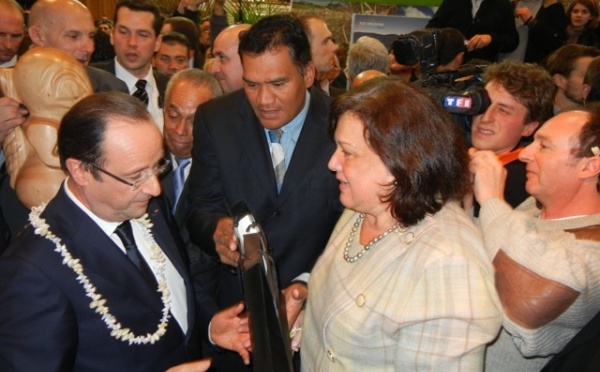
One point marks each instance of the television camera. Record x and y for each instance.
(460, 91)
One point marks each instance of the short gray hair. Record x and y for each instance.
(367, 53)
(198, 78)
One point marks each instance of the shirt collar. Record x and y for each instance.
(10, 63)
(130, 79)
(295, 125)
(106, 226)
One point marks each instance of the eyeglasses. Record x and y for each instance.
(157, 171)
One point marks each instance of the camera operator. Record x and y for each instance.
(439, 54)
(521, 99)
(452, 50)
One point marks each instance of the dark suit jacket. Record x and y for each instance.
(582, 353)
(204, 269)
(232, 163)
(547, 32)
(103, 81)
(46, 323)
(494, 17)
(161, 80)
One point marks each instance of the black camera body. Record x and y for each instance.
(420, 46)
(461, 92)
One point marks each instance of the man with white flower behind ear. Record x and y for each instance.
(98, 282)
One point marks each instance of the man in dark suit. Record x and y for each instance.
(12, 29)
(97, 282)
(322, 52)
(66, 25)
(266, 145)
(489, 29)
(186, 90)
(136, 39)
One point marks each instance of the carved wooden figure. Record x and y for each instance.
(48, 82)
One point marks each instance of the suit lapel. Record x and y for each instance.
(167, 183)
(310, 145)
(252, 136)
(98, 253)
(167, 237)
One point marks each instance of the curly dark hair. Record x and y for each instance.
(416, 140)
(531, 85)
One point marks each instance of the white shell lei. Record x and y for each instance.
(98, 302)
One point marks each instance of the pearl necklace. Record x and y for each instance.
(367, 247)
(98, 302)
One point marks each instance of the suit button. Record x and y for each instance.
(360, 300)
(331, 356)
(277, 212)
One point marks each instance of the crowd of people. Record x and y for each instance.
(403, 238)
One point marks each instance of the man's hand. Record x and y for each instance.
(229, 329)
(226, 242)
(196, 366)
(489, 176)
(523, 13)
(12, 114)
(478, 42)
(295, 296)
(192, 5)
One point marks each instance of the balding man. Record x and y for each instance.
(227, 66)
(366, 75)
(546, 252)
(12, 28)
(68, 25)
(366, 53)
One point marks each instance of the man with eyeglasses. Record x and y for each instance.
(97, 282)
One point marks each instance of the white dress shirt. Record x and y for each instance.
(153, 94)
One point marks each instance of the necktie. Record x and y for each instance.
(141, 93)
(125, 233)
(277, 156)
(179, 180)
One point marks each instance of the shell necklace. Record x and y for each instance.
(98, 302)
(366, 248)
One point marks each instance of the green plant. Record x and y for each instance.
(244, 11)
